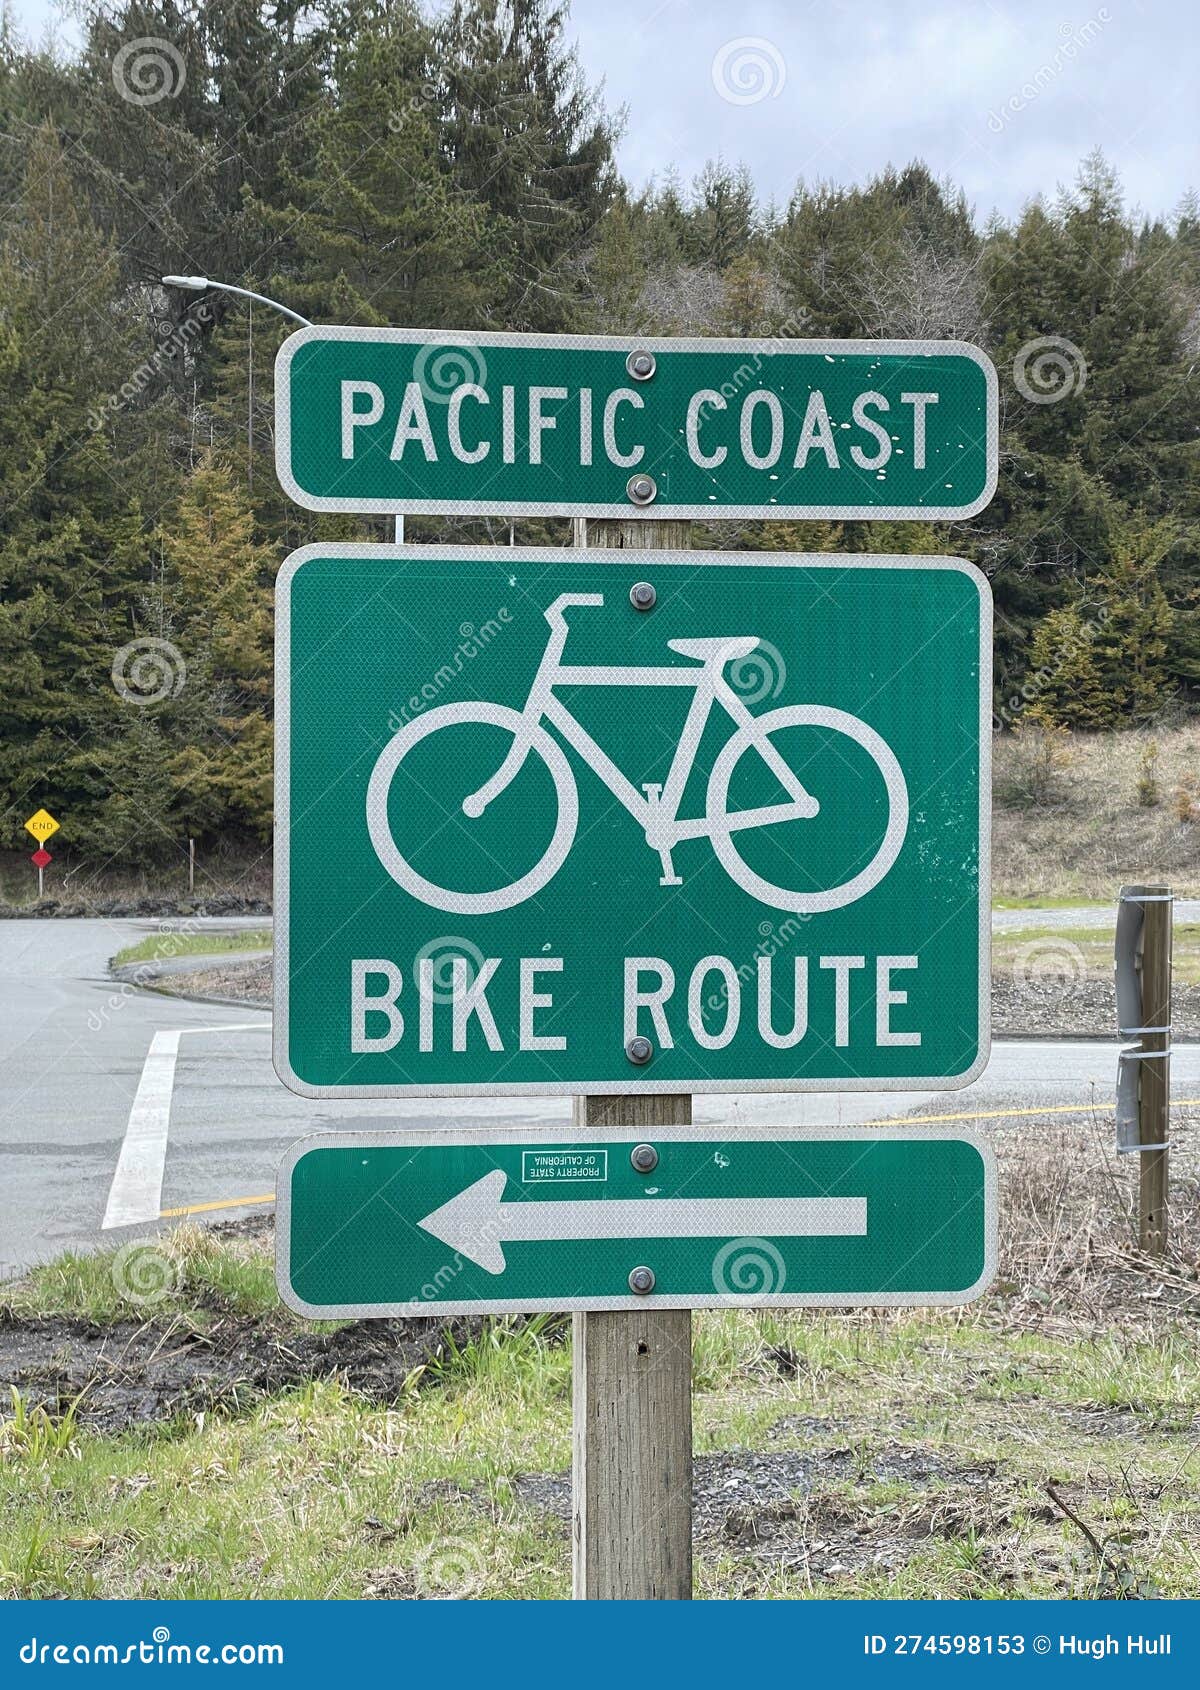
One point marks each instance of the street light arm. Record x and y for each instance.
(197, 284)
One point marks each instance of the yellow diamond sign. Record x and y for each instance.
(42, 824)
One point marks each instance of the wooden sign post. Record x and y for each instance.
(632, 1372)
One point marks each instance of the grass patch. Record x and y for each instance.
(178, 1273)
(1091, 948)
(1064, 902)
(914, 1453)
(161, 947)
(1077, 824)
(321, 1493)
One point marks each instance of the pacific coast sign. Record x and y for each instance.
(398, 420)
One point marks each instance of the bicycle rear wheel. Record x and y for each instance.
(723, 835)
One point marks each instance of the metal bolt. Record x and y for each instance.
(642, 596)
(642, 489)
(644, 1158)
(641, 1281)
(641, 365)
(639, 1050)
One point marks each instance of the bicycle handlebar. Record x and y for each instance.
(554, 612)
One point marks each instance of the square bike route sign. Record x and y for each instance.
(379, 419)
(492, 1221)
(554, 822)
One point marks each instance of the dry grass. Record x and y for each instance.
(1068, 1227)
(1071, 817)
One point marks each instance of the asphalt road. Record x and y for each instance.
(124, 1107)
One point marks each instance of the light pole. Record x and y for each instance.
(199, 284)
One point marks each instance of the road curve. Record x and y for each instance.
(125, 1104)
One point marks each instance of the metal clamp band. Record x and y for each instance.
(1133, 1149)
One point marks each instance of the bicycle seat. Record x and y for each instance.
(739, 645)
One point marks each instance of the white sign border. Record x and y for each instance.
(634, 1083)
(624, 1137)
(662, 510)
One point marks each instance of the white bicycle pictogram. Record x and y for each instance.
(657, 812)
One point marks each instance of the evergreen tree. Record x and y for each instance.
(72, 547)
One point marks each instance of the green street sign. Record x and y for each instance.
(534, 838)
(427, 420)
(459, 1222)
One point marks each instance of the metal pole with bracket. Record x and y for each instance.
(632, 1371)
(1143, 978)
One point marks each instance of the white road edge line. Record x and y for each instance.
(135, 1195)
(136, 1192)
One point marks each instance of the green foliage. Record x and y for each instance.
(385, 161)
(1149, 795)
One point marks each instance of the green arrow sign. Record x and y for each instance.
(455, 1222)
(533, 838)
(422, 420)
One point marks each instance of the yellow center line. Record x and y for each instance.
(886, 1121)
(222, 1203)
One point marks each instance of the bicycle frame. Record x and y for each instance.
(658, 812)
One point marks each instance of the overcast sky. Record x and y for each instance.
(1004, 96)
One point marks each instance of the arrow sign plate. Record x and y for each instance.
(460, 1221)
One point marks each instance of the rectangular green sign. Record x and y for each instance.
(450, 1222)
(532, 838)
(478, 423)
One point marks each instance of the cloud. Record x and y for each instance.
(861, 90)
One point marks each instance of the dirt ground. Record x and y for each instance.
(1068, 1263)
(1042, 1441)
(134, 1373)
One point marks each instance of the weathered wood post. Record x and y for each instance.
(632, 1369)
(1154, 1090)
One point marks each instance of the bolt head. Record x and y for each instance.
(641, 1281)
(639, 1050)
(642, 596)
(641, 489)
(644, 1158)
(641, 365)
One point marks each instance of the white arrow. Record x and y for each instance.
(477, 1224)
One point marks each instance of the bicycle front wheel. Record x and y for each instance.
(379, 825)
(723, 833)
